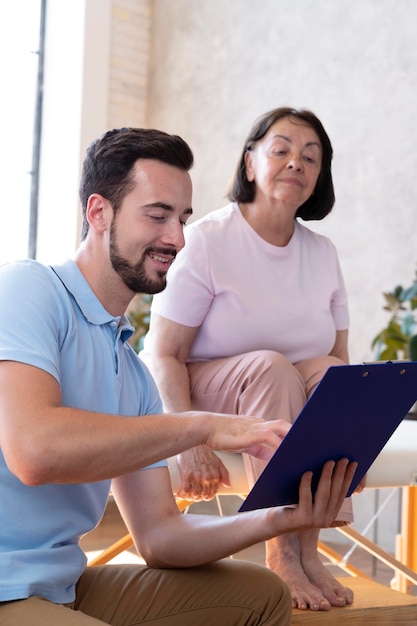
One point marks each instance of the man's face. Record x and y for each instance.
(147, 231)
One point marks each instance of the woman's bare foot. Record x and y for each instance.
(284, 558)
(318, 574)
(304, 595)
(298, 564)
(320, 577)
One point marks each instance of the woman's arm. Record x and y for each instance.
(340, 347)
(169, 346)
(202, 472)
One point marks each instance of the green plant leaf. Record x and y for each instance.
(398, 339)
(388, 355)
(397, 292)
(412, 348)
(392, 302)
(409, 293)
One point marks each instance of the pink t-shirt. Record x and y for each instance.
(245, 294)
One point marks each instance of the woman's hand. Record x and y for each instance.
(202, 473)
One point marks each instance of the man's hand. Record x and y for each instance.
(252, 435)
(320, 511)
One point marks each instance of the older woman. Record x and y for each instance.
(254, 312)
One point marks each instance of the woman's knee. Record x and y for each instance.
(272, 370)
(313, 370)
(273, 388)
(271, 364)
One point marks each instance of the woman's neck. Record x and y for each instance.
(274, 226)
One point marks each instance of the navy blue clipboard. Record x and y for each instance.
(352, 413)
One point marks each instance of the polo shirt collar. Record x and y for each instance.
(75, 283)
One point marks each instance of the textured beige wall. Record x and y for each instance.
(129, 62)
(218, 64)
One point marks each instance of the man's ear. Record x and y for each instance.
(98, 213)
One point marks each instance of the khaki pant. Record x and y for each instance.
(227, 593)
(262, 383)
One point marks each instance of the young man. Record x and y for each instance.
(78, 409)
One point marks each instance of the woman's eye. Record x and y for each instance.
(311, 157)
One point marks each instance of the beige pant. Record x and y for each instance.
(232, 593)
(263, 384)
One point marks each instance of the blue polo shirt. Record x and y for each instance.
(51, 319)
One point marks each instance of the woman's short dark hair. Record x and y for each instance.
(109, 161)
(322, 200)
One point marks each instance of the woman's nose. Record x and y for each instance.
(295, 162)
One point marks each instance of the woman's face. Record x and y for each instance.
(285, 164)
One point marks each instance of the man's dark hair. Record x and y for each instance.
(109, 161)
(321, 202)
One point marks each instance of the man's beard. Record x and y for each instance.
(134, 276)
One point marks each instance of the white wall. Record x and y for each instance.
(18, 70)
(217, 65)
(96, 71)
(75, 112)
